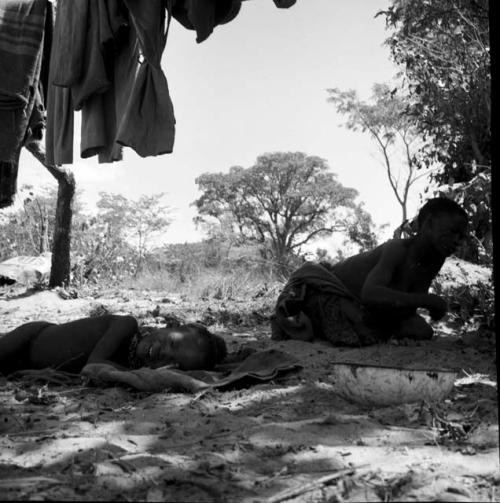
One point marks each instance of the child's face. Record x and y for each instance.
(184, 347)
(446, 232)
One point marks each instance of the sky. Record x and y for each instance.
(256, 85)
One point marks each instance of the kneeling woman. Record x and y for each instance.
(112, 339)
(374, 295)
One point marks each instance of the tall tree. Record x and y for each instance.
(394, 133)
(282, 202)
(443, 47)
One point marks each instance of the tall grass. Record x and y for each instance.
(217, 283)
(215, 296)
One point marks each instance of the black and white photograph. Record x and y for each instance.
(247, 251)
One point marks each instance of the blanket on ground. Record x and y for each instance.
(259, 367)
(289, 322)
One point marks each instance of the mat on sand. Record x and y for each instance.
(258, 367)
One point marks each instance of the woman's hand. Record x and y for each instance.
(437, 306)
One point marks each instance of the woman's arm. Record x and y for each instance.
(377, 294)
(120, 330)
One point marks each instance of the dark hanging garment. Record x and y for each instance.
(85, 80)
(204, 15)
(60, 121)
(124, 102)
(284, 4)
(100, 110)
(22, 25)
(60, 126)
(21, 42)
(70, 39)
(8, 182)
(47, 47)
(148, 124)
(94, 78)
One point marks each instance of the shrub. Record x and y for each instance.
(470, 305)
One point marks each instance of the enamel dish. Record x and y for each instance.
(380, 385)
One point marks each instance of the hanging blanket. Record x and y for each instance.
(22, 26)
(259, 367)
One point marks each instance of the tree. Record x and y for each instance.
(282, 202)
(23, 230)
(61, 244)
(443, 48)
(394, 133)
(360, 230)
(136, 222)
(28, 231)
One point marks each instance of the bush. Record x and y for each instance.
(472, 306)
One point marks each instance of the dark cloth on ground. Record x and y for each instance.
(314, 304)
(259, 367)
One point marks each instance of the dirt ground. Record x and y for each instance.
(292, 439)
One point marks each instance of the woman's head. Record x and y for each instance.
(444, 223)
(191, 347)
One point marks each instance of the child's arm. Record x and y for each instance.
(120, 330)
(376, 294)
(14, 342)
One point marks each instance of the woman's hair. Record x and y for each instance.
(216, 347)
(439, 205)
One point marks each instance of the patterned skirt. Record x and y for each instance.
(330, 321)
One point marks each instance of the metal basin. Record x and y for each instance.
(379, 385)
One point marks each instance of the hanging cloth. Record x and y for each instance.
(113, 76)
(148, 124)
(204, 15)
(284, 4)
(21, 45)
(107, 81)
(66, 58)
(22, 26)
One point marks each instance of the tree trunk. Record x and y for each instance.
(44, 231)
(282, 259)
(61, 242)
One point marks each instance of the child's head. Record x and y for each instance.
(444, 222)
(191, 347)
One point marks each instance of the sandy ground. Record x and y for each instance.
(292, 439)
